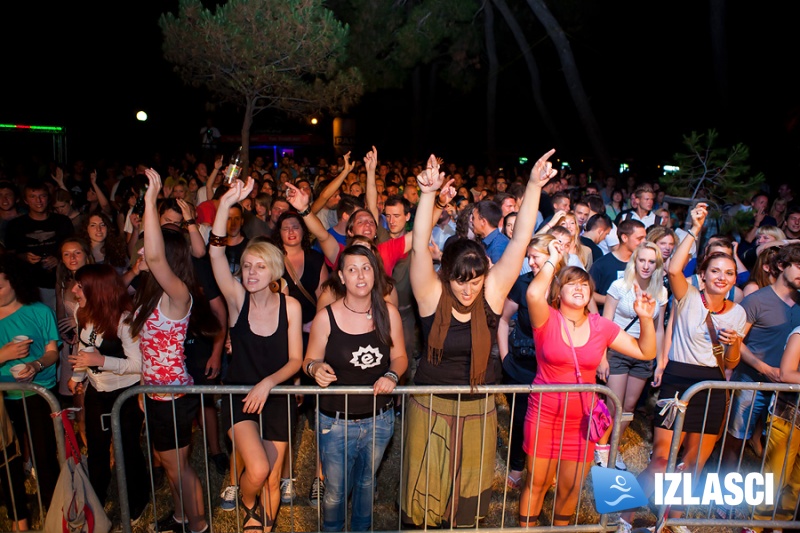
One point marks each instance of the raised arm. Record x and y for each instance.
(677, 281)
(178, 299)
(102, 200)
(331, 188)
(195, 237)
(424, 280)
(537, 292)
(213, 177)
(505, 272)
(300, 201)
(370, 162)
(231, 289)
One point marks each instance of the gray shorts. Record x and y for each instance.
(622, 364)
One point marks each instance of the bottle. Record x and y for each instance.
(234, 167)
(138, 207)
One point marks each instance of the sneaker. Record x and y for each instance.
(221, 463)
(317, 492)
(169, 524)
(287, 490)
(601, 455)
(229, 498)
(619, 464)
(623, 526)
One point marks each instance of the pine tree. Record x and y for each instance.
(263, 54)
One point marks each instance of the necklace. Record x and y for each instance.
(575, 322)
(368, 312)
(705, 304)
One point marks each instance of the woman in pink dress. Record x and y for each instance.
(555, 425)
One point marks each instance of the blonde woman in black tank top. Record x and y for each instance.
(266, 335)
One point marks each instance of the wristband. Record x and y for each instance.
(692, 234)
(216, 240)
(190, 222)
(392, 375)
(41, 366)
(440, 205)
(553, 264)
(305, 212)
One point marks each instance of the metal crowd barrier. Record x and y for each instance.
(694, 514)
(161, 507)
(5, 455)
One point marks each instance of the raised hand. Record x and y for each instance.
(350, 165)
(93, 177)
(187, 209)
(297, 198)
(154, 187)
(218, 162)
(58, 176)
(699, 214)
(430, 179)
(447, 193)
(543, 170)
(645, 305)
(554, 248)
(370, 160)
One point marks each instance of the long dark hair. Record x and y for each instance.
(114, 249)
(63, 275)
(380, 312)
(106, 296)
(202, 322)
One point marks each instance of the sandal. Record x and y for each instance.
(514, 482)
(256, 512)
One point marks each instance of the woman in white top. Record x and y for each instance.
(110, 357)
(624, 375)
(691, 359)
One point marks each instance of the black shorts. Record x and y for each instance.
(677, 378)
(276, 415)
(168, 429)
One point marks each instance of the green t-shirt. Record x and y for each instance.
(39, 324)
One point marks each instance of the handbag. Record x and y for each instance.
(75, 508)
(599, 419)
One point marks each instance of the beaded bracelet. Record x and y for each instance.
(392, 375)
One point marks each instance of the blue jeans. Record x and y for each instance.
(360, 465)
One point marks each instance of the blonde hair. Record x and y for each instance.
(270, 254)
(656, 287)
(584, 253)
(541, 244)
(773, 231)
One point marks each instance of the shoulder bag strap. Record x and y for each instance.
(632, 322)
(574, 355)
(293, 275)
(717, 349)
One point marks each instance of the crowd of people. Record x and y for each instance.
(377, 273)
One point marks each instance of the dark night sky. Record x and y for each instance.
(646, 67)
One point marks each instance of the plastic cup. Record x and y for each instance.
(18, 369)
(20, 338)
(79, 373)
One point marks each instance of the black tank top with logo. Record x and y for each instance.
(357, 359)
